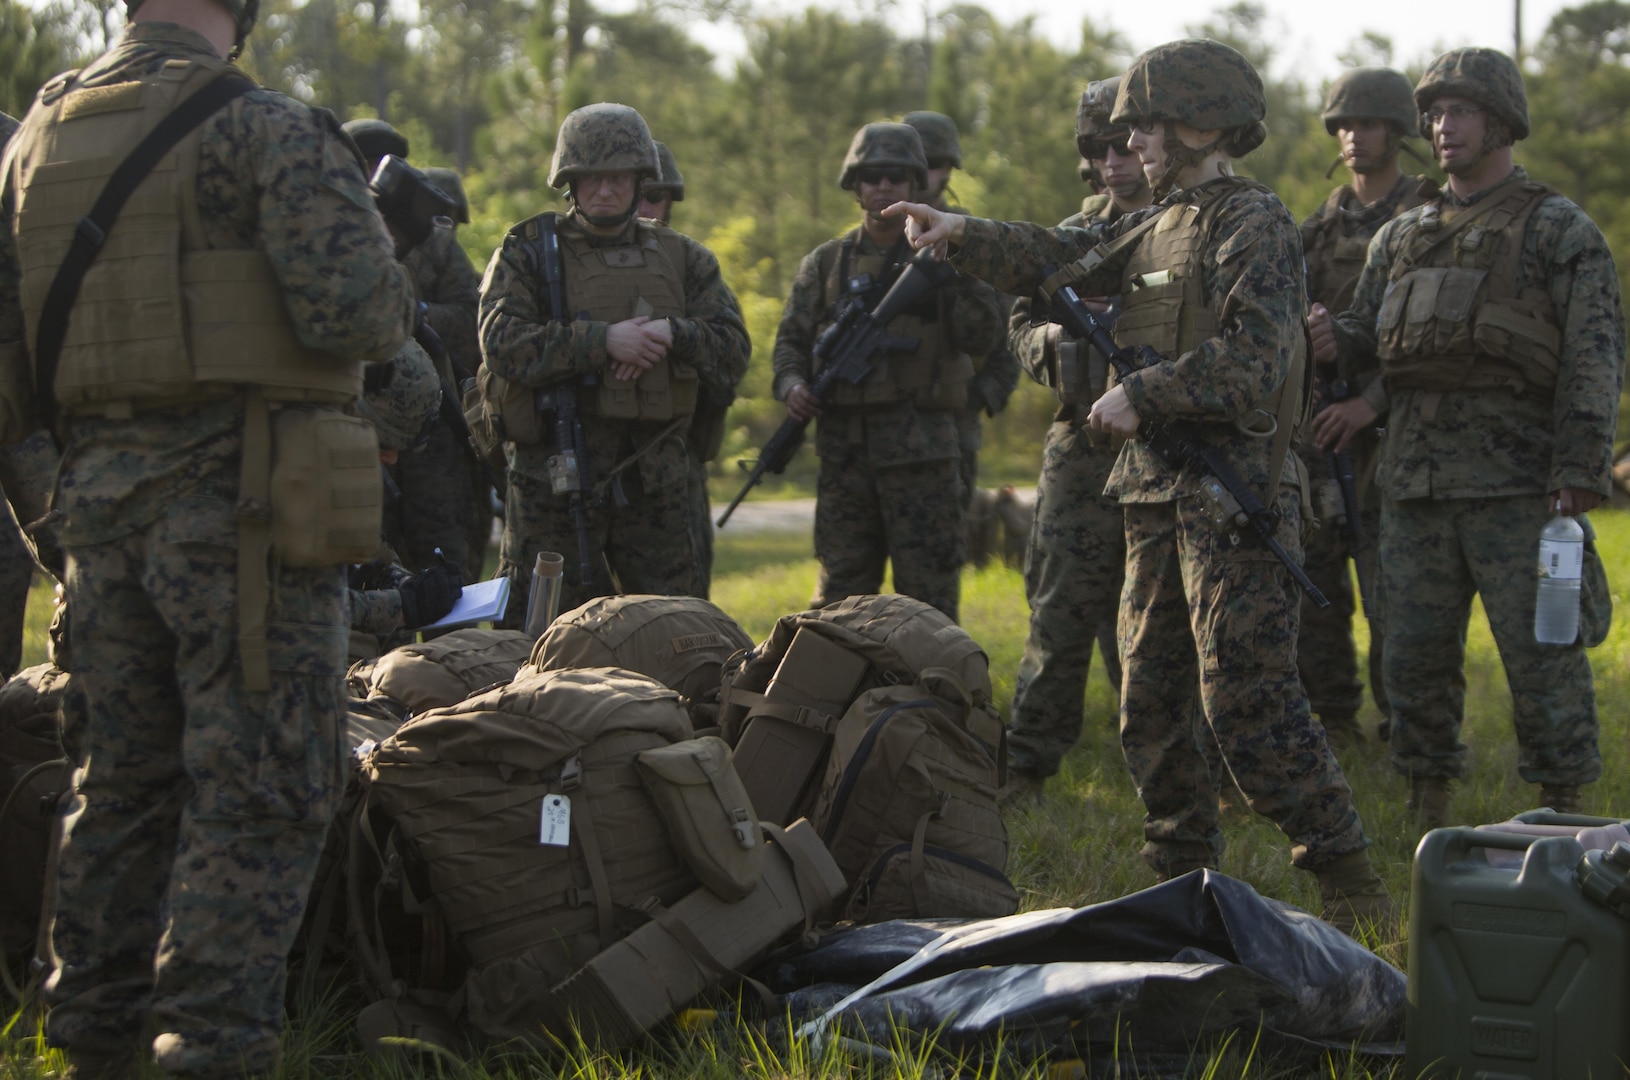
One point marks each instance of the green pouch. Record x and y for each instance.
(709, 817)
(1595, 595)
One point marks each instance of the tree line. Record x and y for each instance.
(481, 86)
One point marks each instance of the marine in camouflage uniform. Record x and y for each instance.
(706, 432)
(1077, 554)
(438, 488)
(1497, 417)
(638, 505)
(890, 487)
(1370, 110)
(387, 601)
(16, 560)
(1222, 257)
(200, 804)
(998, 373)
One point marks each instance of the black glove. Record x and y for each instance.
(429, 594)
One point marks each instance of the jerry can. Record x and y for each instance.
(1518, 972)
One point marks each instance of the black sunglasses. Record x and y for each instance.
(879, 176)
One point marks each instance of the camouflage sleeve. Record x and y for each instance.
(1584, 286)
(518, 340)
(1032, 344)
(342, 284)
(1017, 256)
(376, 611)
(1255, 285)
(452, 294)
(712, 337)
(793, 358)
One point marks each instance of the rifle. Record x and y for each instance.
(848, 351)
(1341, 465)
(569, 465)
(1228, 499)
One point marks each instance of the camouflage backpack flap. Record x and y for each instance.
(898, 636)
(520, 816)
(445, 670)
(909, 812)
(34, 771)
(680, 641)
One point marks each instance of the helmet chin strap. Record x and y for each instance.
(1179, 156)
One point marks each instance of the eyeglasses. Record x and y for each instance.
(1144, 125)
(1457, 113)
(1098, 149)
(881, 176)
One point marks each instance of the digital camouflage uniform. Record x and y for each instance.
(1194, 611)
(16, 561)
(1334, 239)
(639, 517)
(1463, 476)
(1076, 556)
(200, 807)
(890, 488)
(441, 493)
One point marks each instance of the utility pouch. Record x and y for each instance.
(708, 814)
(515, 406)
(1069, 377)
(326, 494)
(1595, 595)
(486, 429)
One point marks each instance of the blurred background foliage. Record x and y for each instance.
(481, 85)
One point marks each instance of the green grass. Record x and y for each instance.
(1077, 847)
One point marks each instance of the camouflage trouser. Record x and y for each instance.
(1072, 580)
(970, 437)
(16, 575)
(437, 505)
(701, 522)
(907, 515)
(1435, 555)
(199, 808)
(643, 547)
(1194, 612)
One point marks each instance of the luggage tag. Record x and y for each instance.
(555, 830)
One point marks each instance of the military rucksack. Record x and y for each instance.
(873, 717)
(680, 641)
(442, 671)
(518, 820)
(34, 773)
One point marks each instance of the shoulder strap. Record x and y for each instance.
(91, 232)
(1425, 241)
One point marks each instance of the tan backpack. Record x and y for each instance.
(680, 641)
(442, 671)
(518, 819)
(34, 773)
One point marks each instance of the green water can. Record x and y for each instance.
(1517, 972)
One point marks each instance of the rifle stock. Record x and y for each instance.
(848, 351)
(1231, 503)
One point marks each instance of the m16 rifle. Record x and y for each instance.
(1341, 466)
(1230, 502)
(848, 351)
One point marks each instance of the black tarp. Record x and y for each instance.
(1196, 956)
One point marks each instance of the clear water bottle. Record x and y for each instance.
(1561, 567)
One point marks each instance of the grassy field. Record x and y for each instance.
(1079, 846)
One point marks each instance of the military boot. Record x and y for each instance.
(1429, 798)
(1563, 798)
(1354, 897)
(1023, 791)
(1342, 730)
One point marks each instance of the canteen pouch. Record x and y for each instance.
(709, 817)
(326, 492)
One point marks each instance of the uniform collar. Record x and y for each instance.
(626, 235)
(1518, 174)
(179, 38)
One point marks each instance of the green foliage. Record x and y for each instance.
(35, 44)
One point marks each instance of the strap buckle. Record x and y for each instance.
(90, 233)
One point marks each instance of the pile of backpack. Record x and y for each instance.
(579, 836)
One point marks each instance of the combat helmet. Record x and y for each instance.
(1371, 94)
(1093, 126)
(1198, 82)
(376, 138)
(941, 146)
(600, 138)
(884, 146)
(672, 181)
(1486, 76)
(401, 398)
(448, 181)
(245, 13)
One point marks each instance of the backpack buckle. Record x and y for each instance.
(571, 773)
